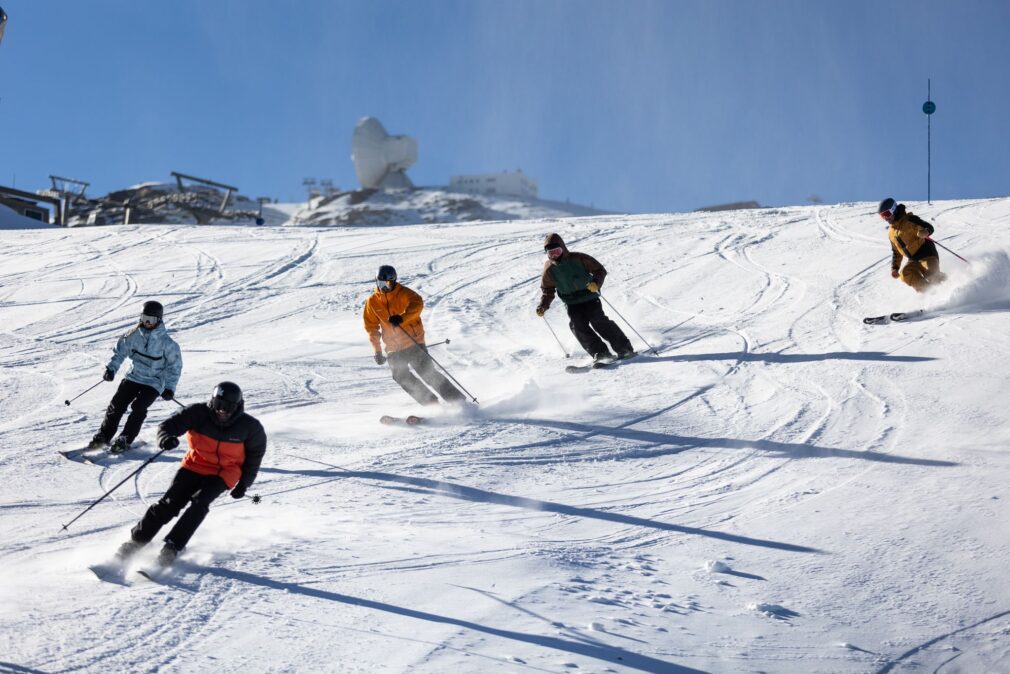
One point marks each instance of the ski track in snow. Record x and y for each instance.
(781, 489)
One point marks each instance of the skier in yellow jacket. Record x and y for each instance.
(909, 236)
(393, 315)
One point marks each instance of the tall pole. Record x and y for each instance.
(929, 107)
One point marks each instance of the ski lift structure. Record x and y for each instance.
(3, 23)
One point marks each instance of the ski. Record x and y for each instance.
(154, 572)
(113, 571)
(93, 454)
(904, 316)
(410, 420)
(896, 317)
(599, 365)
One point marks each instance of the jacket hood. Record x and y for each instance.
(555, 240)
(899, 212)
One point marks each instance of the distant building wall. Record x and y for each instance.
(514, 183)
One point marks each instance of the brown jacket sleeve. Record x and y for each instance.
(547, 287)
(592, 266)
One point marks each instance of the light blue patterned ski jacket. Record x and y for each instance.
(157, 360)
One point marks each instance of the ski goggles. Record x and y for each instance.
(222, 405)
(888, 214)
(555, 252)
(153, 320)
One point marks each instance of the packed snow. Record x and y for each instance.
(781, 489)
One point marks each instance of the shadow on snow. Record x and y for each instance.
(611, 654)
(473, 494)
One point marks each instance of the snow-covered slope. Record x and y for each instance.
(781, 489)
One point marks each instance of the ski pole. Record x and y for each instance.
(629, 324)
(563, 349)
(176, 401)
(102, 498)
(67, 402)
(440, 365)
(948, 250)
(444, 341)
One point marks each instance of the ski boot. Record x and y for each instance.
(120, 445)
(127, 550)
(167, 555)
(624, 355)
(98, 442)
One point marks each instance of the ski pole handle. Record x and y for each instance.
(67, 402)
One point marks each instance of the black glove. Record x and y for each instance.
(238, 491)
(395, 320)
(167, 394)
(171, 442)
(379, 358)
(109, 375)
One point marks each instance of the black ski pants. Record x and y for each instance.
(416, 357)
(586, 319)
(141, 395)
(187, 487)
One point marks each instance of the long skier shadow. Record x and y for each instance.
(473, 494)
(602, 652)
(668, 443)
(11, 668)
(751, 356)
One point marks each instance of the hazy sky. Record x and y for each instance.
(630, 105)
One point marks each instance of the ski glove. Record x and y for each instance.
(109, 375)
(593, 287)
(379, 359)
(922, 233)
(894, 273)
(168, 443)
(541, 310)
(167, 394)
(395, 320)
(238, 491)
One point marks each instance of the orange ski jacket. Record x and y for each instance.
(400, 301)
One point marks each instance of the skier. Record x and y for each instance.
(393, 313)
(226, 447)
(577, 278)
(156, 368)
(909, 235)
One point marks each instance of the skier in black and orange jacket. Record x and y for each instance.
(226, 447)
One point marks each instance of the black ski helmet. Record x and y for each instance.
(227, 397)
(887, 204)
(153, 308)
(386, 273)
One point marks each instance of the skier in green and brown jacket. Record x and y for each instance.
(577, 278)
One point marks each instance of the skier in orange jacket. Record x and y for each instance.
(392, 316)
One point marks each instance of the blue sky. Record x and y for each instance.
(630, 105)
